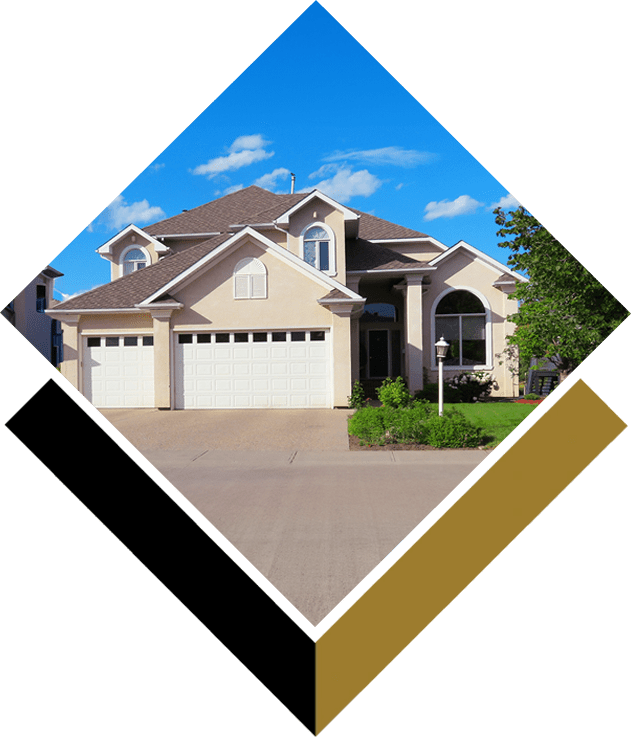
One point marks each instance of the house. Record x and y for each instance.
(27, 313)
(259, 299)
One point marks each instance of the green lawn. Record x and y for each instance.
(498, 419)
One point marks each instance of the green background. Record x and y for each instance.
(92, 643)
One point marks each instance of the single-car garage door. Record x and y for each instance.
(118, 371)
(253, 369)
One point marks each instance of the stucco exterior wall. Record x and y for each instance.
(463, 272)
(131, 240)
(291, 297)
(318, 211)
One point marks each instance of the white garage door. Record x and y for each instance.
(118, 371)
(253, 369)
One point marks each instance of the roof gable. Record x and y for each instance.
(475, 254)
(228, 245)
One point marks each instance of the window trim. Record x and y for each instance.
(488, 331)
(126, 250)
(332, 270)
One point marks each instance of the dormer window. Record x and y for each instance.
(318, 248)
(134, 259)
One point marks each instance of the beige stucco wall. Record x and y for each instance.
(122, 324)
(421, 251)
(461, 271)
(141, 242)
(318, 211)
(291, 297)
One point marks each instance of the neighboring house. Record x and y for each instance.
(27, 314)
(265, 300)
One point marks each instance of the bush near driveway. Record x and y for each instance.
(418, 423)
(461, 426)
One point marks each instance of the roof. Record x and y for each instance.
(128, 291)
(362, 255)
(254, 205)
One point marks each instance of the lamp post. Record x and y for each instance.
(442, 346)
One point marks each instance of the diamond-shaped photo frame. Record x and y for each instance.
(602, 365)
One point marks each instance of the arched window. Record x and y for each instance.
(250, 279)
(318, 248)
(133, 260)
(460, 317)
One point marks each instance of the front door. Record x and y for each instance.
(383, 347)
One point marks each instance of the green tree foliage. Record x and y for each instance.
(564, 312)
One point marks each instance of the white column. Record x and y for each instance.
(414, 331)
(162, 357)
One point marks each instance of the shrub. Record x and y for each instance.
(452, 430)
(367, 424)
(357, 399)
(532, 396)
(416, 423)
(394, 393)
(468, 386)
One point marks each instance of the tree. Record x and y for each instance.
(564, 312)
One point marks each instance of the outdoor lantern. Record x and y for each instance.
(442, 346)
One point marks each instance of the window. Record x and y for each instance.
(317, 248)
(460, 318)
(250, 279)
(379, 312)
(40, 298)
(134, 259)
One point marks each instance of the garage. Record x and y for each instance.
(255, 369)
(118, 370)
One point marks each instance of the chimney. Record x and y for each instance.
(293, 182)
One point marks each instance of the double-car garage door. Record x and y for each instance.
(214, 370)
(253, 369)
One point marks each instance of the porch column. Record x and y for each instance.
(414, 331)
(71, 365)
(341, 353)
(162, 358)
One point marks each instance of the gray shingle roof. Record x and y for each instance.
(129, 290)
(250, 205)
(256, 205)
(361, 255)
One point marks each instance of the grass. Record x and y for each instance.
(497, 419)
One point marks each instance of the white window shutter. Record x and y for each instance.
(241, 286)
(259, 286)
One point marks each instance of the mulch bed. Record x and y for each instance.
(528, 401)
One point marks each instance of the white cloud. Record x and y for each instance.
(269, 181)
(244, 150)
(463, 205)
(505, 202)
(230, 190)
(389, 156)
(119, 213)
(346, 183)
(248, 143)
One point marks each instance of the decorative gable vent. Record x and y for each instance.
(250, 279)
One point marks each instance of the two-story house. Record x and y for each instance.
(264, 300)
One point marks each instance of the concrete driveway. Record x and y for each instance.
(282, 486)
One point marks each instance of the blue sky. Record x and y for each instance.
(343, 124)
